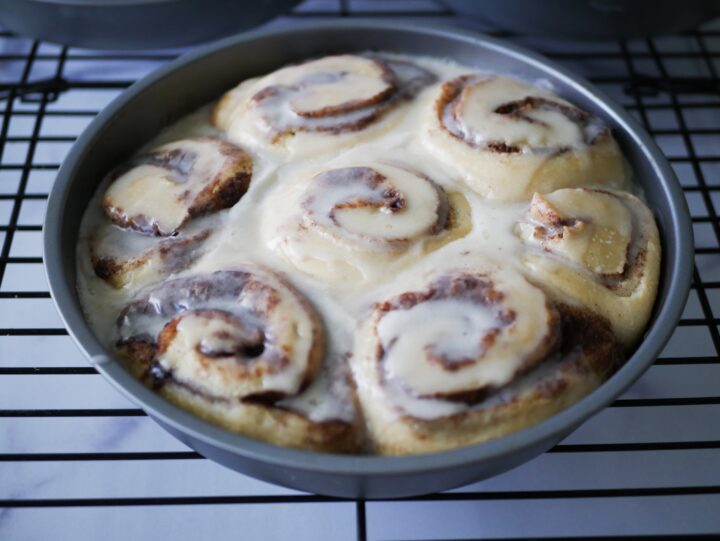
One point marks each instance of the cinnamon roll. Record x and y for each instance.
(320, 104)
(510, 139)
(474, 355)
(157, 193)
(157, 207)
(598, 248)
(240, 348)
(351, 220)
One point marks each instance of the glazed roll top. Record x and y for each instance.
(233, 334)
(157, 193)
(512, 139)
(436, 351)
(378, 207)
(598, 247)
(464, 336)
(499, 115)
(332, 95)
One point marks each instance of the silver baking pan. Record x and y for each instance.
(195, 79)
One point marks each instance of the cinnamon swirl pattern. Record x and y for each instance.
(232, 346)
(474, 355)
(598, 248)
(158, 205)
(348, 223)
(157, 193)
(510, 139)
(338, 97)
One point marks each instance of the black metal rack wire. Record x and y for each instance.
(662, 439)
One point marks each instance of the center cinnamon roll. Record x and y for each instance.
(333, 96)
(512, 139)
(349, 221)
(383, 206)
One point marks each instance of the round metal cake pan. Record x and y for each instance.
(195, 79)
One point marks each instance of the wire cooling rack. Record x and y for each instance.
(78, 461)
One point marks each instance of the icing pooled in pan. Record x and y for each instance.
(373, 253)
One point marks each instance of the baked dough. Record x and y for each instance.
(509, 140)
(235, 347)
(157, 193)
(326, 104)
(596, 248)
(474, 355)
(160, 208)
(352, 221)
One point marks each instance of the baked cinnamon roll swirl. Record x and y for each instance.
(511, 139)
(598, 248)
(474, 355)
(239, 348)
(157, 208)
(157, 193)
(349, 222)
(340, 96)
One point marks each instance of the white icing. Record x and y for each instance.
(163, 196)
(283, 112)
(455, 329)
(271, 315)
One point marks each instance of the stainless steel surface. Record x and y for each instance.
(79, 461)
(192, 80)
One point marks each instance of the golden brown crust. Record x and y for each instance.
(229, 185)
(270, 423)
